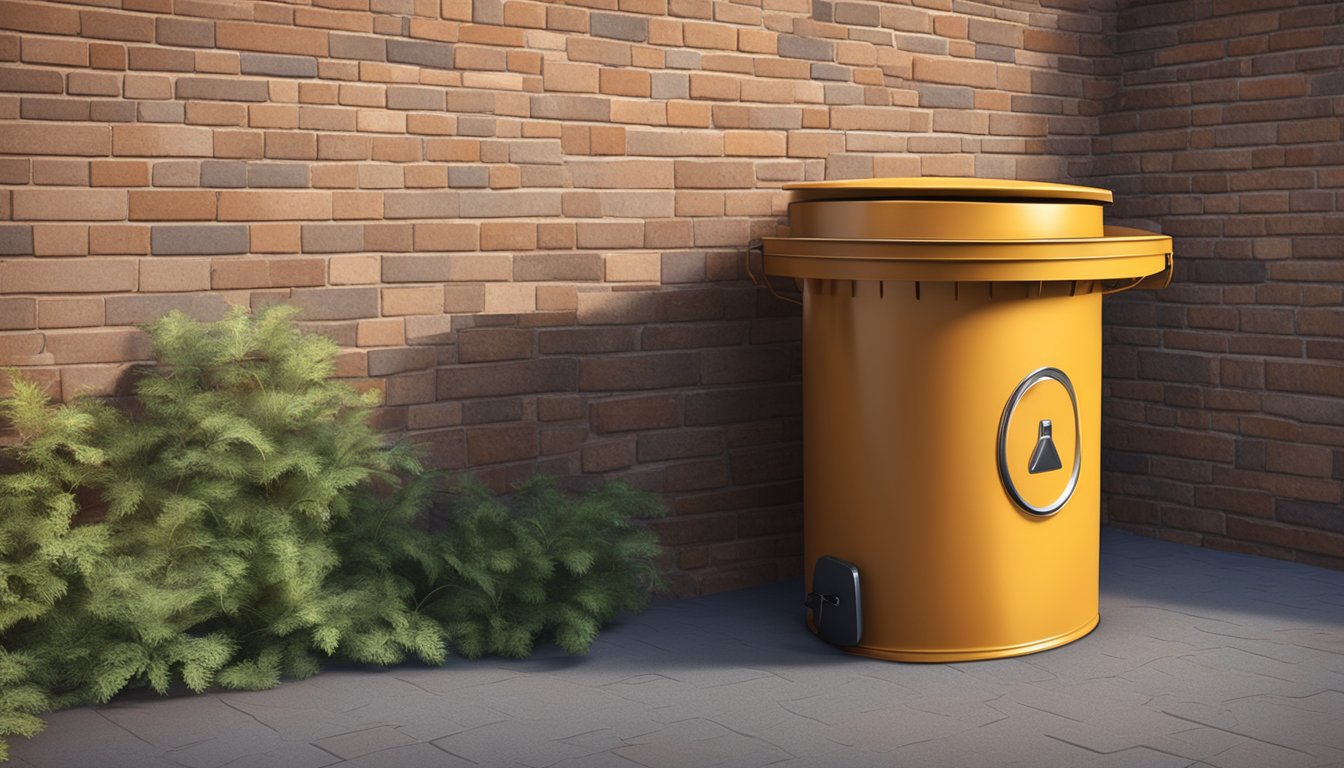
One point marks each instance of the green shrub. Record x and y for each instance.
(246, 523)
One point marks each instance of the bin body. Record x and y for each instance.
(952, 426)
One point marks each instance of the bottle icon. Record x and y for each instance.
(1045, 458)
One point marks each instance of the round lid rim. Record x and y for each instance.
(944, 187)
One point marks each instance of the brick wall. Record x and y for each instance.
(525, 221)
(1225, 408)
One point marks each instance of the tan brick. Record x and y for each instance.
(624, 82)
(174, 275)
(275, 238)
(101, 345)
(447, 236)
(118, 239)
(256, 205)
(757, 41)
(69, 276)
(557, 298)
(510, 298)
(556, 235)
(290, 145)
(21, 348)
(610, 234)
(161, 141)
(154, 87)
(238, 144)
(412, 300)
(508, 236)
(463, 298)
(353, 270)
(270, 38)
(698, 34)
(356, 205)
(688, 114)
(69, 205)
(632, 267)
(385, 332)
(569, 77)
(228, 274)
(607, 140)
(754, 143)
(732, 174)
(979, 74)
(426, 176)
(61, 240)
(668, 233)
(693, 203)
(71, 313)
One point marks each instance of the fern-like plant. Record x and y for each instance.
(253, 524)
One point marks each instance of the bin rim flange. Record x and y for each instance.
(944, 188)
(1149, 266)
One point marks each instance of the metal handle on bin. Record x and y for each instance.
(763, 281)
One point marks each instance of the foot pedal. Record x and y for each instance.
(837, 611)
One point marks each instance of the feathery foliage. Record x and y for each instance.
(248, 523)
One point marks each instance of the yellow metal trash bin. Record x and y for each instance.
(952, 398)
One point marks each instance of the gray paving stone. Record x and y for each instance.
(364, 741)
(700, 741)
(1202, 659)
(409, 756)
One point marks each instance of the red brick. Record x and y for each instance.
(647, 371)
(39, 17)
(175, 205)
(491, 344)
(70, 53)
(116, 26)
(636, 413)
(494, 445)
(118, 239)
(608, 455)
(119, 173)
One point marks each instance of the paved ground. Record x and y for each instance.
(1202, 659)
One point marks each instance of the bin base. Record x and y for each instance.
(972, 654)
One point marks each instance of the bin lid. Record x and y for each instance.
(944, 187)
(960, 229)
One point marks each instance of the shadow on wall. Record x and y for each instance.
(693, 393)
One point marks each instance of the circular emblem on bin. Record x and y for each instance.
(1039, 446)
